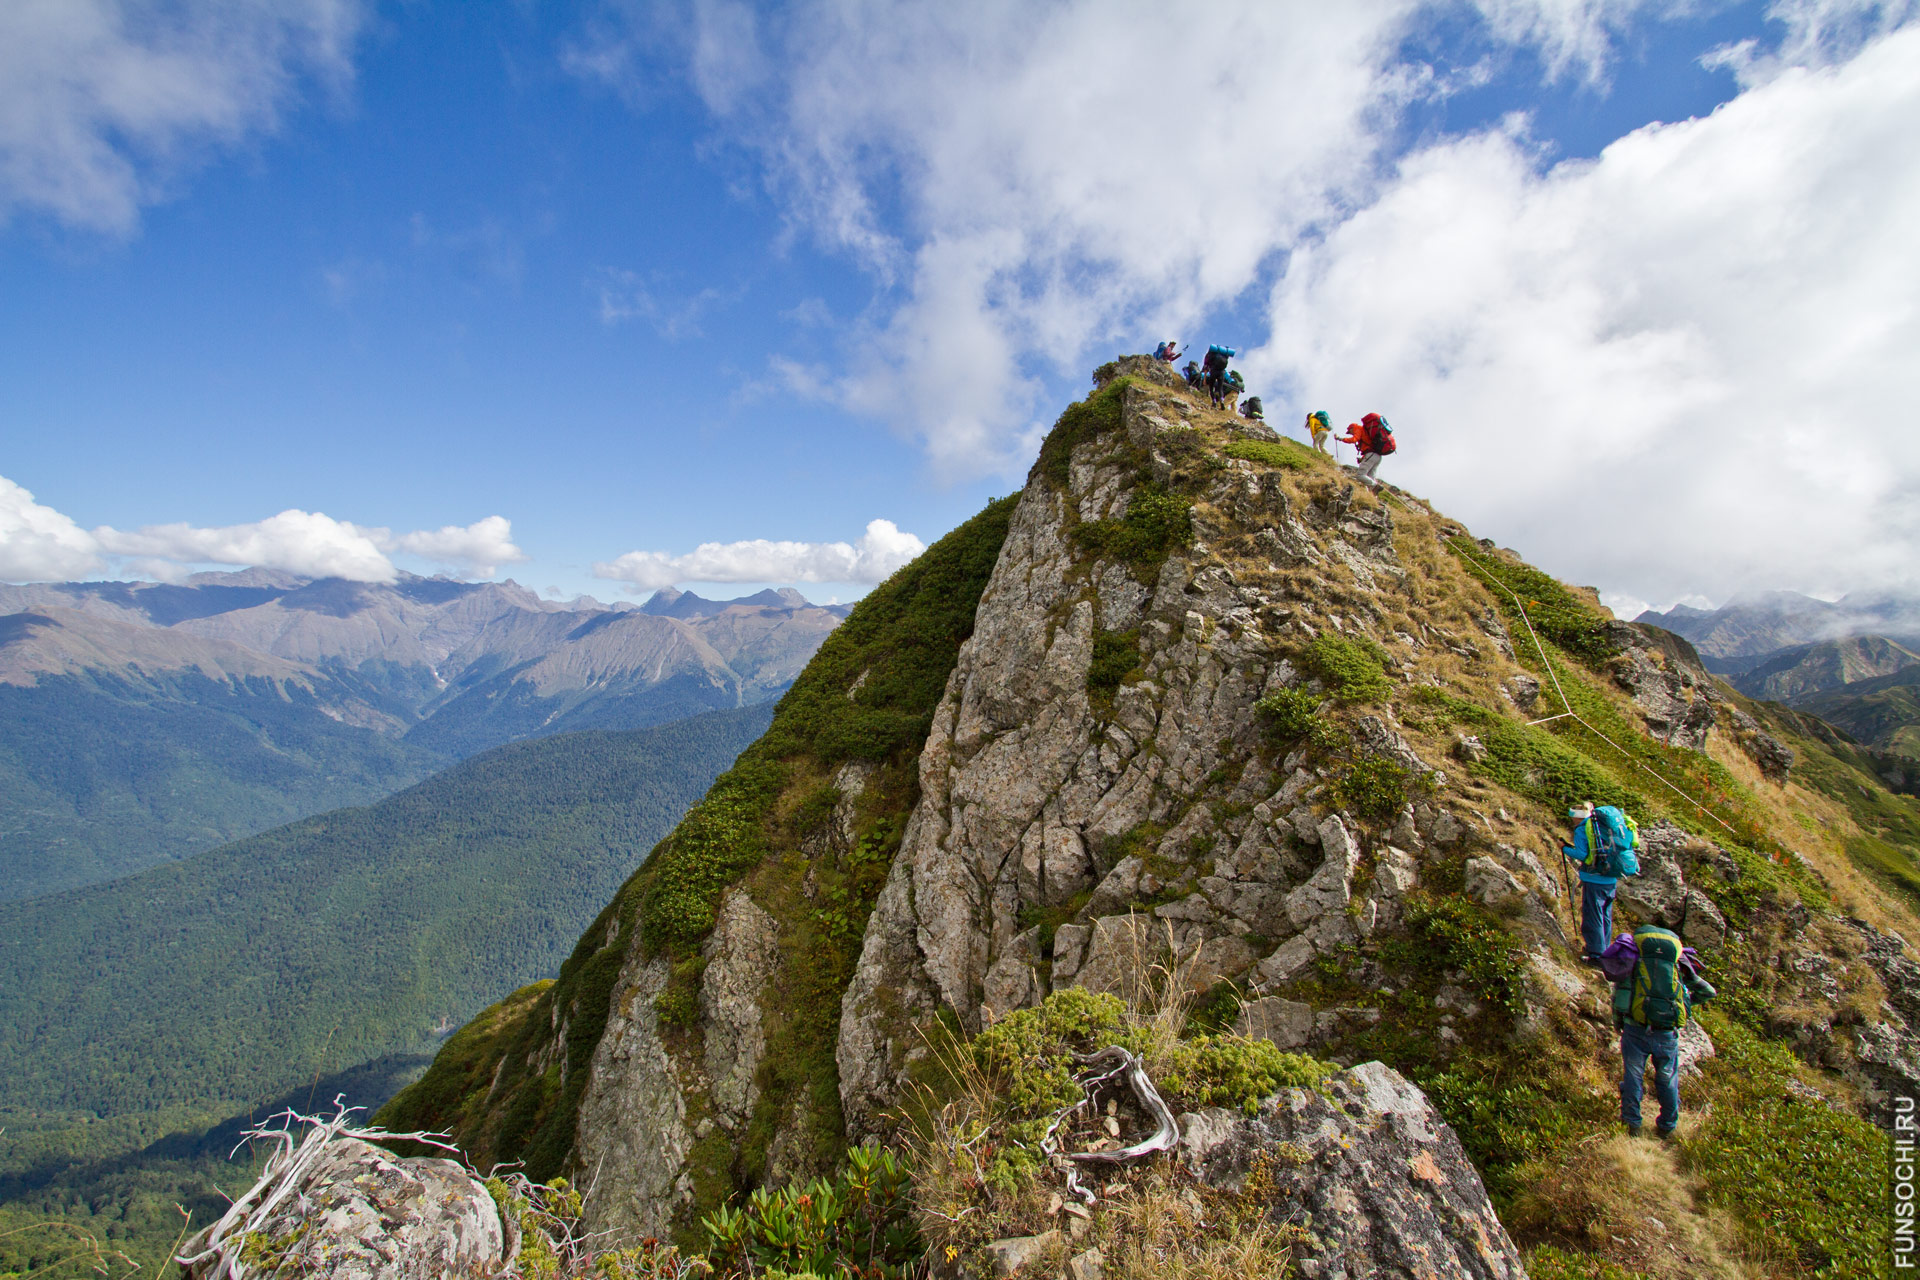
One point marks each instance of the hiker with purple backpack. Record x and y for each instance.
(1657, 983)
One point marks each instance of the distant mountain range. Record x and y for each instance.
(1749, 629)
(141, 722)
(1854, 663)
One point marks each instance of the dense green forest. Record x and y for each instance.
(330, 941)
(136, 1015)
(101, 776)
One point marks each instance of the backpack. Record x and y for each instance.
(1382, 438)
(1253, 407)
(1612, 837)
(1217, 358)
(1656, 993)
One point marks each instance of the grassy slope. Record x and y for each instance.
(497, 1084)
(231, 976)
(100, 778)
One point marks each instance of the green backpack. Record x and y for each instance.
(1656, 994)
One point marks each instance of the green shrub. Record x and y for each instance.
(1083, 420)
(718, 840)
(1290, 718)
(1235, 1071)
(1282, 453)
(1157, 524)
(1550, 1263)
(857, 1223)
(1374, 787)
(1028, 1051)
(1458, 934)
(1116, 656)
(1356, 670)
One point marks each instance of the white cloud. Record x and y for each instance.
(1677, 368)
(625, 296)
(104, 102)
(39, 544)
(303, 542)
(883, 549)
(478, 550)
(1030, 182)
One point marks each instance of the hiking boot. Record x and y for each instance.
(1665, 1135)
(1591, 961)
(1633, 1131)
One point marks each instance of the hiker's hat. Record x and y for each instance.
(1581, 811)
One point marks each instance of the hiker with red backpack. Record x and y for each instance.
(1372, 438)
(1658, 980)
(1604, 840)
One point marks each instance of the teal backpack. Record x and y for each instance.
(1612, 837)
(1655, 994)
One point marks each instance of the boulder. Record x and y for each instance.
(1369, 1163)
(1288, 1023)
(362, 1213)
(1009, 1255)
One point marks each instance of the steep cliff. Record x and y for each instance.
(1214, 708)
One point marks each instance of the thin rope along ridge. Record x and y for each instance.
(1570, 712)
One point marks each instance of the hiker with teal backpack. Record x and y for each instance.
(1603, 843)
(1215, 370)
(1652, 1001)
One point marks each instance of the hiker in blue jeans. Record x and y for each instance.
(1597, 889)
(1656, 1000)
(1639, 1046)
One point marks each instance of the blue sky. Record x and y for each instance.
(637, 278)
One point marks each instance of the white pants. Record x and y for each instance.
(1369, 463)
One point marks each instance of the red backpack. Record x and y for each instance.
(1379, 435)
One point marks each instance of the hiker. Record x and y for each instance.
(1236, 386)
(1319, 426)
(1253, 411)
(1168, 351)
(1372, 439)
(1650, 1004)
(1193, 375)
(1603, 843)
(1215, 369)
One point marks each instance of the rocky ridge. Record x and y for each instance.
(1101, 788)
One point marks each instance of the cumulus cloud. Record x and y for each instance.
(1697, 326)
(103, 103)
(1045, 207)
(883, 549)
(1671, 369)
(40, 544)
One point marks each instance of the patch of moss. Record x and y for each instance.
(1284, 454)
(1549, 1262)
(1157, 523)
(1458, 934)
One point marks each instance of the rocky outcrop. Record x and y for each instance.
(1366, 1161)
(360, 1212)
(1034, 800)
(1660, 893)
(1669, 685)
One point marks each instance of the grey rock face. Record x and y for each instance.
(363, 1213)
(1672, 692)
(632, 1125)
(1389, 1189)
(1660, 893)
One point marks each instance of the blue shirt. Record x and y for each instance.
(1581, 850)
